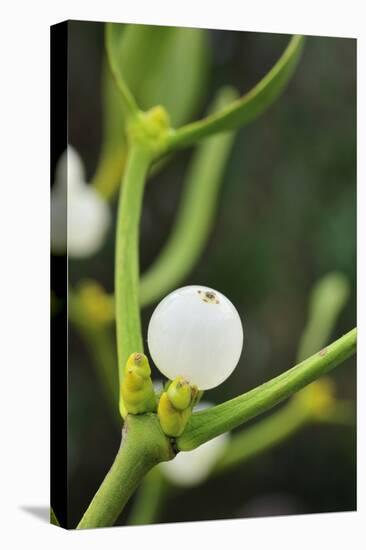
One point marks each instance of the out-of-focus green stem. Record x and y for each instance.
(195, 215)
(327, 299)
(162, 65)
(341, 414)
(128, 101)
(101, 347)
(149, 498)
(272, 431)
(108, 174)
(262, 436)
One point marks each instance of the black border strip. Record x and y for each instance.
(59, 325)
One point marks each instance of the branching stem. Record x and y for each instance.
(143, 446)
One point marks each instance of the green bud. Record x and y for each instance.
(180, 393)
(175, 406)
(137, 389)
(151, 128)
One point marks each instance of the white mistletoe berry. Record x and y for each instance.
(193, 467)
(77, 207)
(196, 332)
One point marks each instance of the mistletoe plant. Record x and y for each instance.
(195, 335)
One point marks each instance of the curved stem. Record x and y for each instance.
(328, 297)
(128, 323)
(262, 436)
(273, 430)
(143, 446)
(111, 40)
(195, 215)
(210, 423)
(248, 107)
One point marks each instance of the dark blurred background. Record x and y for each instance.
(287, 216)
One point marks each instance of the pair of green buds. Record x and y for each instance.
(175, 404)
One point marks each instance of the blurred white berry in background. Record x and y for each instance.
(196, 332)
(193, 467)
(79, 205)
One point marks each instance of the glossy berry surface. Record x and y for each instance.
(196, 332)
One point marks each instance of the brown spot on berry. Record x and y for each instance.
(209, 297)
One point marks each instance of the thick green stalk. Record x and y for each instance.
(143, 446)
(128, 325)
(206, 425)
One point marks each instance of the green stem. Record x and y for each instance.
(195, 215)
(210, 423)
(101, 347)
(262, 436)
(128, 323)
(248, 107)
(273, 430)
(149, 499)
(341, 414)
(111, 40)
(328, 297)
(143, 446)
